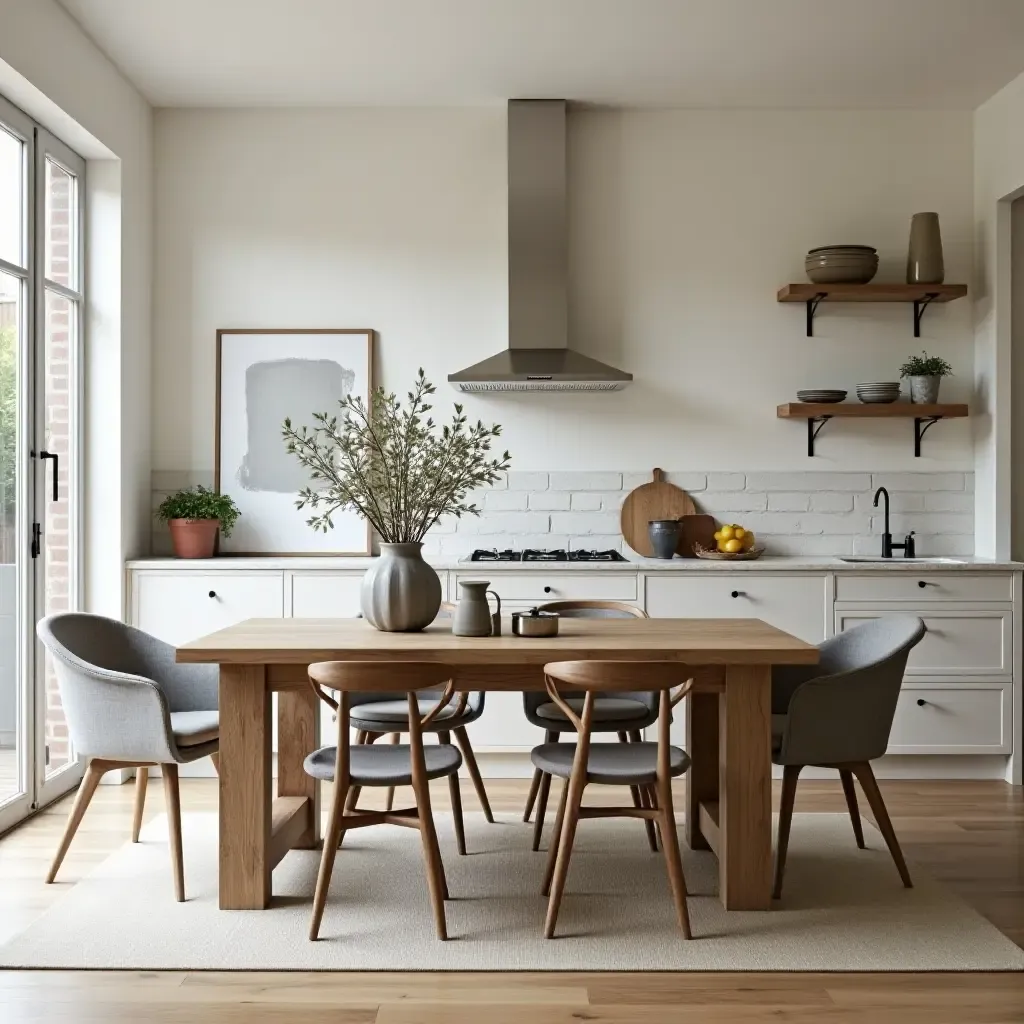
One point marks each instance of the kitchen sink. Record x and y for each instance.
(901, 561)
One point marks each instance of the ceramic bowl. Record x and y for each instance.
(842, 248)
(841, 275)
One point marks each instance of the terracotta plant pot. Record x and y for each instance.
(194, 538)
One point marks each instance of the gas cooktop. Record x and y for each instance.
(557, 555)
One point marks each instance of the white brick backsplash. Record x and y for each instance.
(788, 501)
(505, 522)
(576, 481)
(586, 523)
(925, 522)
(527, 481)
(586, 501)
(808, 481)
(726, 481)
(948, 501)
(632, 480)
(506, 501)
(688, 481)
(926, 544)
(551, 501)
(782, 544)
(599, 542)
(910, 502)
(732, 501)
(919, 481)
(831, 501)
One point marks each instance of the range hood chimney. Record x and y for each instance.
(538, 357)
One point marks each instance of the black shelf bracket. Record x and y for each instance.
(920, 305)
(921, 425)
(812, 308)
(813, 431)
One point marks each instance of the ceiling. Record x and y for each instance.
(941, 54)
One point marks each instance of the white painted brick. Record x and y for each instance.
(733, 501)
(611, 501)
(919, 481)
(835, 523)
(969, 483)
(599, 542)
(898, 502)
(787, 501)
(632, 480)
(726, 481)
(505, 501)
(580, 481)
(585, 523)
(808, 481)
(500, 484)
(448, 524)
(687, 480)
(831, 501)
(772, 522)
(587, 501)
(939, 523)
(504, 522)
(550, 501)
(948, 501)
(527, 481)
(550, 541)
(784, 544)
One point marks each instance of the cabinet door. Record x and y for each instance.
(325, 595)
(180, 606)
(950, 719)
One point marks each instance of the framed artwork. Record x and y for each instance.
(263, 377)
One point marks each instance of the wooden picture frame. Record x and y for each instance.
(265, 521)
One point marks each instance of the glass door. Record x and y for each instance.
(41, 185)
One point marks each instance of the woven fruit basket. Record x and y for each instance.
(727, 556)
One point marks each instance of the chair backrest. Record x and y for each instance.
(845, 713)
(590, 610)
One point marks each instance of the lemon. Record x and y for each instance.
(739, 533)
(748, 541)
(727, 532)
(733, 546)
(718, 534)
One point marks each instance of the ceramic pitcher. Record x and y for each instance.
(473, 613)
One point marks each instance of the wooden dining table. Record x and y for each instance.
(728, 725)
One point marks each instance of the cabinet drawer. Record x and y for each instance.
(957, 644)
(795, 604)
(325, 595)
(923, 587)
(542, 586)
(178, 607)
(952, 720)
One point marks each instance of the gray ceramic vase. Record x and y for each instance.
(401, 592)
(664, 536)
(924, 254)
(924, 390)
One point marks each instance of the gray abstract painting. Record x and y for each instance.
(293, 388)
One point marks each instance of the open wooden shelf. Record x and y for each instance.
(818, 414)
(921, 295)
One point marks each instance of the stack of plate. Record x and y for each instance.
(881, 392)
(841, 264)
(819, 395)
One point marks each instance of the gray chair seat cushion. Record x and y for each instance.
(393, 715)
(607, 710)
(191, 728)
(616, 764)
(384, 765)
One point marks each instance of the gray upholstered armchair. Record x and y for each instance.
(838, 714)
(128, 704)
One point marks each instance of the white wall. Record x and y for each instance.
(683, 226)
(54, 72)
(998, 179)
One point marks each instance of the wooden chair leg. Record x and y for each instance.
(673, 858)
(215, 758)
(462, 738)
(389, 800)
(866, 777)
(790, 775)
(574, 785)
(431, 853)
(640, 798)
(846, 777)
(531, 797)
(556, 835)
(455, 792)
(141, 784)
(362, 736)
(651, 794)
(172, 804)
(542, 797)
(90, 780)
(332, 840)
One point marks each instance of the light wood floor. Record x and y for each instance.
(970, 835)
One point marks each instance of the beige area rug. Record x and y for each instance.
(843, 910)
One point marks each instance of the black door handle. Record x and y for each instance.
(56, 470)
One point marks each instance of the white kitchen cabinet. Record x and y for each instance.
(923, 588)
(951, 719)
(537, 586)
(181, 606)
(323, 595)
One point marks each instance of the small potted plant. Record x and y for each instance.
(925, 373)
(194, 516)
(402, 473)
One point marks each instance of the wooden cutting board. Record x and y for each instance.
(656, 500)
(699, 529)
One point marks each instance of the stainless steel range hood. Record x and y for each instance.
(538, 357)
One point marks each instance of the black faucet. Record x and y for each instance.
(907, 547)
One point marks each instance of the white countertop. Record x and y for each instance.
(767, 563)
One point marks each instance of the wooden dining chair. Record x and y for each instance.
(404, 764)
(650, 767)
(625, 714)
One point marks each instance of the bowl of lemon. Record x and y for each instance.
(732, 543)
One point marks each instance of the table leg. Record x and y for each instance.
(245, 788)
(702, 775)
(745, 788)
(298, 734)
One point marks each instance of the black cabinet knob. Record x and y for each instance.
(738, 593)
(922, 584)
(213, 593)
(547, 590)
(921, 702)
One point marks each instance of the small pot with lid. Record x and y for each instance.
(535, 623)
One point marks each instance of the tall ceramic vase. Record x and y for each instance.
(924, 255)
(401, 592)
